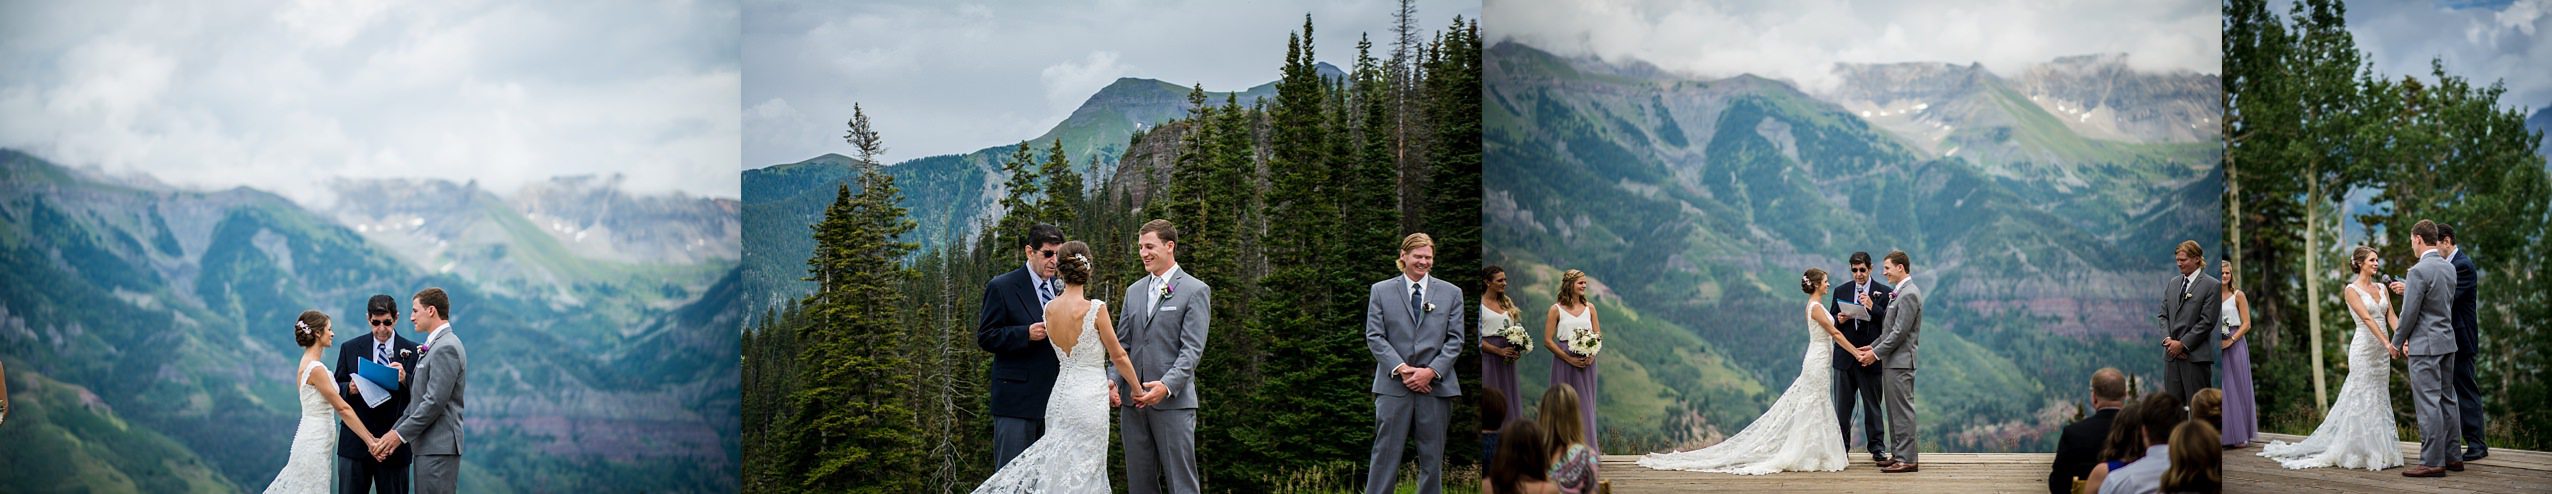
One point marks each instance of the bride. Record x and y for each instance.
(2358, 432)
(1799, 432)
(307, 469)
(1072, 457)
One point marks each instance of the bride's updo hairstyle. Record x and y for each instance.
(1808, 281)
(305, 331)
(2357, 260)
(1072, 263)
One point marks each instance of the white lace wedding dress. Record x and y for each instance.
(2358, 432)
(314, 442)
(1073, 455)
(1797, 435)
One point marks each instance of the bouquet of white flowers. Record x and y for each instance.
(1516, 338)
(1585, 341)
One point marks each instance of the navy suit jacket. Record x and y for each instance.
(1858, 332)
(2467, 320)
(1023, 369)
(375, 419)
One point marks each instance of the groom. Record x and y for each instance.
(2427, 339)
(1013, 328)
(1851, 377)
(1896, 346)
(2191, 312)
(357, 469)
(1413, 325)
(441, 379)
(1163, 331)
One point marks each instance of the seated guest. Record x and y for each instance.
(2161, 412)
(2197, 459)
(2208, 405)
(2078, 449)
(2124, 445)
(1520, 466)
(1492, 417)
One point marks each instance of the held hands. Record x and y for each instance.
(1153, 393)
(1865, 355)
(387, 443)
(1037, 332)
(2399, 351)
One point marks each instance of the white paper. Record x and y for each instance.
(373, 395)
(1855, 310)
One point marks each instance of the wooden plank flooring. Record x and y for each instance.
(1942, 472)
(2506, 470)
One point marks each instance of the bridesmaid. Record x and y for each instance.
(1578, 371)
(2241, 413)
(1497, 367)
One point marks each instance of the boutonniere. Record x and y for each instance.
(1430, 307)
(2185, 295)
(423, 349)
(1166, 290)
(405, 354)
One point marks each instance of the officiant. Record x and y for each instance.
(1860, 309)
(357, 471)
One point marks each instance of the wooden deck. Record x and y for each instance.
(1942, 472)
(2506, 470)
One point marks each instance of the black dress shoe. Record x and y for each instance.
(2476, 454)
(2454, 466)
(1878, 457)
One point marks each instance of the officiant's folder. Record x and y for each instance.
(1857, 312)
(381, 375)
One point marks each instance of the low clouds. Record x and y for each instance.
(285, 95)
(943, 78)
(1802, 40)
(2503, 41)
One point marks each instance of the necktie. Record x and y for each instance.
(1417, 299)
(380, 352)
(1046, 293)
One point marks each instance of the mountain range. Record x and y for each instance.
(2040, 211)
(150, 325)
(950, 197)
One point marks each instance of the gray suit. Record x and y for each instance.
(1165, 337)
(2191, 311)
(433, 424)
(2427, 330)
(1895, 348)
(1430, 336)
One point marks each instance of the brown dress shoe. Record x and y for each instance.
(2423, 471)
(1887, 463)
(2454, 466)
(1902, 467)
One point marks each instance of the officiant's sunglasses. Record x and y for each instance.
(1860, 269)
(384, 322)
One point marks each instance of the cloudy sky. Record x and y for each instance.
(2481, 40)
(953, 77)
(1801, 40)
(283, 95)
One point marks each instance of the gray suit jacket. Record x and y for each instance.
(1898, 341)
(433, 423)
(2427, 308)
(2192, 316)
(1426, 339)
(1165, 337)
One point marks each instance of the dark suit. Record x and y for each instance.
(2078, 450)
(1023, 369)
(1850, 377)
(356, 469)
(2467, 323)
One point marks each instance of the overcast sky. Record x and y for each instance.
(953, 77)
(2481, 40)
(283, 95)
(1801, 40)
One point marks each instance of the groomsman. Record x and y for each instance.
(2190, 312)
(357, 470)
(1012, 326)
(1413, 326)
(1851, 378)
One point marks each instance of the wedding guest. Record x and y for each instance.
(2208, 406)
(1492, 418)
(1521, 467)
(1573, 463)
(2241, 422)
(1497, 356)
(2197, 462)
(1571, 313)
(2144, 476)
(2078, 450)
(2124, 445)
